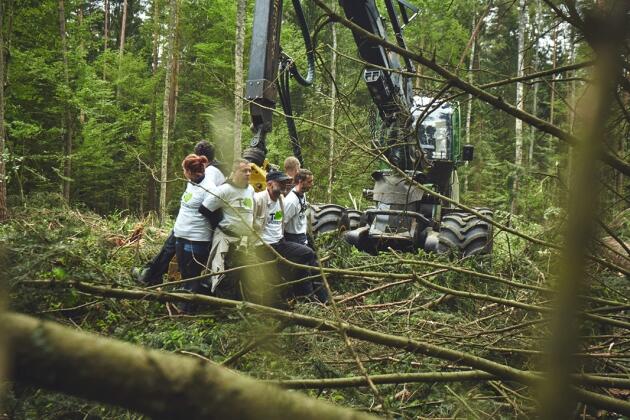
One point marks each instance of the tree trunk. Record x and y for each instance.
(82, 52)
(121, 48)
(536, 62)
(520, 105)
(4, 214)
(557, 392)
(554, 63)
(4, 350)
(174, 96)
(471, 64)
(158, 384)
(169, 101)
(333, 100)
(241, 9)
(552, 107)
(151, 184)
(105, 36)
(67, 163)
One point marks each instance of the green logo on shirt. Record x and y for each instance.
(278, 216)
(187, 196)
(248, 203)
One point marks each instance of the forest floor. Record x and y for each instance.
(50, 241)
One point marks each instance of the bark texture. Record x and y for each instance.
(67, 118)
(241, 8)
(4, 214)
(169, 100)
(155, 383)
(520, 105)
(333, 101)
(152, 203)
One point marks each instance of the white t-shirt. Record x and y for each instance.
(190, 224)
(295, 213)
(272, 233)
(237, 204)
(215, 175)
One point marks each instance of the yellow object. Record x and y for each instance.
(258, 177)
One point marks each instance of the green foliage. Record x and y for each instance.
(53, 241)
(115, 103)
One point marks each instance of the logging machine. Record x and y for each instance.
(418, 135)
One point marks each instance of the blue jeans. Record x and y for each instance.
(192, 257)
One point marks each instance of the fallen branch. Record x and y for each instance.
(352, 331)
(152, 382)
(407, 378)
(516, 304)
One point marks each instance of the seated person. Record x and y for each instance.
(154, 270)
(192, 231)
(230, 210)
(269, 221)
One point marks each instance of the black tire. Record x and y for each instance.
(465, 234)
(254, 155)
(354, 218)
(327, 218)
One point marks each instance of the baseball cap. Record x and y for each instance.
(277, 176)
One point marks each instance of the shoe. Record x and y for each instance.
(140, 275)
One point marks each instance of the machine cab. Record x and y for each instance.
(438, 133)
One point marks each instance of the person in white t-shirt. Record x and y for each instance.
(154, 270)
(230, 209)
(192, 231)
(231, 206)
(269, 219)
(295, 206)
(204, 148)
(292, 166)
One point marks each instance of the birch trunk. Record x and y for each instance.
(241, 9)
(518, 128)
(333, 99)
(470, 97)
(168, 104)
(121, 47)
(536, 61)
(67, 161)
(105, 35)
(552, 107)
(151, 185)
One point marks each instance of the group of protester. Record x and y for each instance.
(219, 215)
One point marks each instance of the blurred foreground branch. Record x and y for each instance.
(155, 383)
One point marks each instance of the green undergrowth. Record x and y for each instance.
(49, 240)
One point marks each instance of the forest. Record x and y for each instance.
(101, 101)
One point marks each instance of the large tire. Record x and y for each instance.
(465, 234)
(354, 218)
(330, 217)
(326, 218)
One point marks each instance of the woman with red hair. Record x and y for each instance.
(193, 233)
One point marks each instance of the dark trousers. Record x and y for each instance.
(192, 257)
(300, 254)
(298, 238)
(158, 266)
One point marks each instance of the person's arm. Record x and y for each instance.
(214, 217)
(212, 206)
